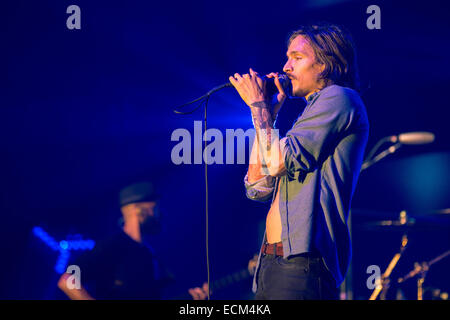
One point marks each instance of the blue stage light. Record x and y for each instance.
(63, 246)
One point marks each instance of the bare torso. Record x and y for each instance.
(273, 221)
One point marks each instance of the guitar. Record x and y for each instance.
(228, 280)
(237, 276)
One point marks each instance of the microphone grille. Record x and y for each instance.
(416, 137)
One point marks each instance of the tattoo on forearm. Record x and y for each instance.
(263, 123)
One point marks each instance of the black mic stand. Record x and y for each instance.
(204, 100)
(371, 161)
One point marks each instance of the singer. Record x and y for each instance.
(310, 175)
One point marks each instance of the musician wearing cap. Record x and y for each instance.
(124, 266)
(310, 175)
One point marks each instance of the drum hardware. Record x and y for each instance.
(384, 281)
(421, 270)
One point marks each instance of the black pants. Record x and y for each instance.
(300, 277)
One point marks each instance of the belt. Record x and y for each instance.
(272, 248)
(277, 250)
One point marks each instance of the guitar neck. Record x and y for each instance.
(230, 279)
(220, 284)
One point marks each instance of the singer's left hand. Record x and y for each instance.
(250, 86)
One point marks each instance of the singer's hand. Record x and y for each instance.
(251, 87)
(279, 98)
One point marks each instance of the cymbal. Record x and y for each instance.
(442, 211)
(391, 223)
(359, 212)
(437, 220)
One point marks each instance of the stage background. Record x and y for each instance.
(84, 112)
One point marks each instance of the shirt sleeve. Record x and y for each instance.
(316, 133)
(260, 190)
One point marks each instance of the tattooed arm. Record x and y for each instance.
(269, 159)
(266, 157)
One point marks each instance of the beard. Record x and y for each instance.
(151, 226)
(298, 91)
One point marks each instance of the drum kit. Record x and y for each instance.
(405, 224)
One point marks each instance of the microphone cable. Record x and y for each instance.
(204, 100)
(206, 205)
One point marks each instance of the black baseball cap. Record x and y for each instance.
(138, 192)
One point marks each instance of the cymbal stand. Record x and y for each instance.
(383, 284)
(421, 269)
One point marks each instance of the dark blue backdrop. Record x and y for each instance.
(83, 112)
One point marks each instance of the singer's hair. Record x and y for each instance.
(334, 47)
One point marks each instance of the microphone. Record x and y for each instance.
(420, 137)
(412, 138)
(270, 84)
(270, 87)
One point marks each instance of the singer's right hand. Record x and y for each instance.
(252, 88)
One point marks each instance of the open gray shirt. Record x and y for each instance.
(322, 153)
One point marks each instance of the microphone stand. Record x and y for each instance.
(203, 100)
(398, 141)
(381, 155)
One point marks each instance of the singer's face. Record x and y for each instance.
(303, 68)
